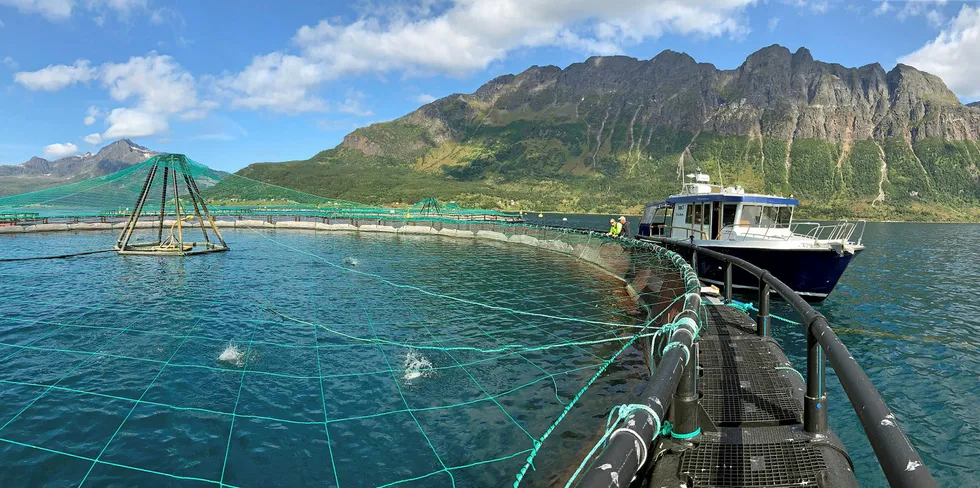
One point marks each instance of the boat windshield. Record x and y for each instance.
(766, 216)
(655, 214)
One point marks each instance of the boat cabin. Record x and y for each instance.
(706, 212)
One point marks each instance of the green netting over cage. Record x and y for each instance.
(227, 194)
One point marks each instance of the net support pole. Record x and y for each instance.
(815, 401)
(127, 232)
(762, 319)
(728, 282)
(163, 206)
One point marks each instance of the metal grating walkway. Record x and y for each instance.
(752, 413)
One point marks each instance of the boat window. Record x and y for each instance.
(697, 214)
(648, 214)
(728, 215)
(690, 214)
(770, 215)
(755, 215)
(785, 215)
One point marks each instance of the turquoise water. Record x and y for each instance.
(908, 311)
(260, 366)
(906, 308)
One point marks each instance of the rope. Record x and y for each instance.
(747, 306)
(60, 256)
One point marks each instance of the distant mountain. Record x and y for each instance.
(973, 104)
(614, 132)
(39, 173)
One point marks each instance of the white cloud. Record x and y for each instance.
(157, 83)
(53, 10)
(124, 122)
(424, 98)
(954, 55)
(93, 114)
(123, 7)
(820, 7)
(60, 10)
(913, 8)
(93, 138)
(773, 22)
(56, 77)
(934, 18)
(10, 63)
(2, 25)
(883, 8)
(464, 37)
(56, 151)
(202, 111)
(278, 82)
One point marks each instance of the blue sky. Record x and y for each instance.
(234, 82)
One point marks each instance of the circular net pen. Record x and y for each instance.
(486, 355)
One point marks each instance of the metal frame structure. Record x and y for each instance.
(174, 167)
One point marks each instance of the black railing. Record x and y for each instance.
(900, 462)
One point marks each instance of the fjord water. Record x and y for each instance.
(907, 309)
(156, 371)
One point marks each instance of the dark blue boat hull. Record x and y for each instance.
(811, 273)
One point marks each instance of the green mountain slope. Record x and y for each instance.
(613, 133)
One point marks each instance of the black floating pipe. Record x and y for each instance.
(902, 465)
(628, 448)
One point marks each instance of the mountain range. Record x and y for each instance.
(39, 173)
(614, 132)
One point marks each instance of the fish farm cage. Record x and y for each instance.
(356, 345)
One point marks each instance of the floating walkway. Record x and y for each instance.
(751, 417)
(725, 408)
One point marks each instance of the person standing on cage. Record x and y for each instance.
(623, 226)
(613, 228)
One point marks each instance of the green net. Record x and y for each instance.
(226, 194)
(419, 351)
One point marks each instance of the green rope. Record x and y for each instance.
(747, 306)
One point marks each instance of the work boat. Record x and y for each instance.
(809, 257)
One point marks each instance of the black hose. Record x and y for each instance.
(62, 256)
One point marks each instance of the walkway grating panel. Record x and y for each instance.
(787, 464)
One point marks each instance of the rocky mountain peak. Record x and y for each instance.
(118, 155)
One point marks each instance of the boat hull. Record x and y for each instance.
(812, 273)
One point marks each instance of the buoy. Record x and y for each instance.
(564, 219)
(540, 215)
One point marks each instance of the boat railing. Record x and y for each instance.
(701, 233)
(842, 230)
(900, 462)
